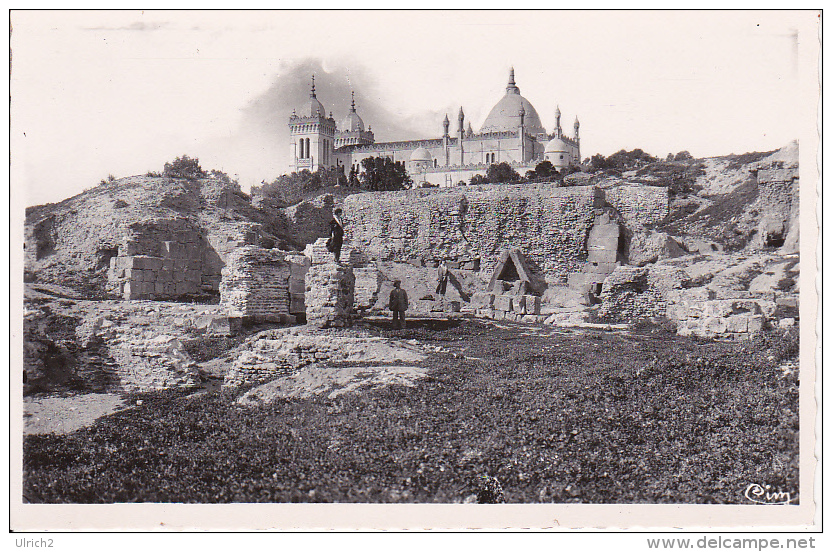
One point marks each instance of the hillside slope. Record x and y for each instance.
(71, 242)
(727, 207)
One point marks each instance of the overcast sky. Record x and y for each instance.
(98, 93)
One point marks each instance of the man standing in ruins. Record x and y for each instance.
(398, 304)
(442, 281)
(336, 235)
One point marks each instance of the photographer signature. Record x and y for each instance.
(764, 495)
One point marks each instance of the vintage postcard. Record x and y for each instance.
(414, 270)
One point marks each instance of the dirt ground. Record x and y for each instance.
(64, 414)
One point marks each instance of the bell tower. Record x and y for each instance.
(312, 136)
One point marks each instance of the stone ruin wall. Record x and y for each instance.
(330, 286)
(778, 186)
(548, 223)
(162, 259)
(255, 283)
(639, 293)
(639, 205)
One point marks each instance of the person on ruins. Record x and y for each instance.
(398, 304)
(336, 235)
(442, 275)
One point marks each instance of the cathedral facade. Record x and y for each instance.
(512, 133)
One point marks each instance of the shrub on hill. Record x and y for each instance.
(184, 167)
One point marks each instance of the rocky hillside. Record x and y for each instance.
(731, 199)
(71, 242)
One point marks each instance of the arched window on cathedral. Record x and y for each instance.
(308, 150)
(435, 163)
(300, 148)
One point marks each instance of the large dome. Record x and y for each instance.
(506, 114)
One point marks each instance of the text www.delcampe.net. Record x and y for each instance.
(750, 543)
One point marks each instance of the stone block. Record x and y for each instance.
(159, 288)
(737, 323)
(694, 309)
(602, 255)
(600, 268)
(530, 319)
(756, 323)
(503, 303)
(167, 249)
(532, 304)
(482, 300)
(786, 322)
(147, 263)
(792, 302)
(453, 306)
(698, 294)
(718, 309)
(297, 286)
(740, 306)
(297, 304)
(714, 325)
(767, 307)
(519, 304)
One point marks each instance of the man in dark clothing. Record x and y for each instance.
(398, 304)
(336, 235)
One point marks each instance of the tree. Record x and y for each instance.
(597, 163)
(684, 156)
(184, 167)
(500, 173)
(478, 179)
(353, 179)
(383, 174)
(544, 169)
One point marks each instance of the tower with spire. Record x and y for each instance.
(312, 136)
(351, 130)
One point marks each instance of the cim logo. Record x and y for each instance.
(764, 495)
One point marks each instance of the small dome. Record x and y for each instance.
(316, 108)
(421, 154)
(556, 145)
(352, 123)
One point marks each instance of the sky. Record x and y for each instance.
(95, 93)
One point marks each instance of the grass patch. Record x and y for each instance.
(508, 415)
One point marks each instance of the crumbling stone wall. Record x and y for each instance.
(639, 205)
(603, 244)
(161, 259)
(368, 282)
(330, 287)
(637, 293)
(298, 265)
(255, 283)
(778, 193)
(549, 224)
(696, 312)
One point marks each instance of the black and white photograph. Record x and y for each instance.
(294, 262)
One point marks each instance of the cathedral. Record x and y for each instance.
(511, 133)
